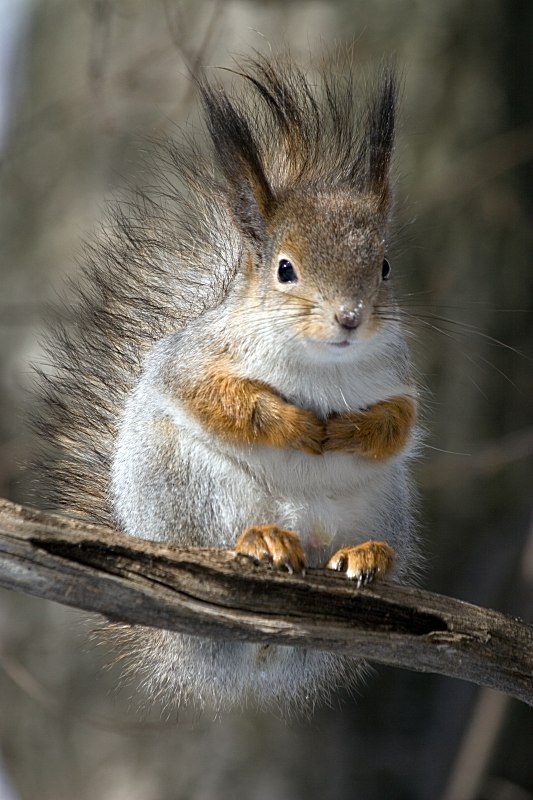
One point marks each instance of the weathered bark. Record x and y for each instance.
(215, 593)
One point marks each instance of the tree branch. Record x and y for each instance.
(215, 593)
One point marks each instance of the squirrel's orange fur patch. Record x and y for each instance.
(364, 562)
(275, 545)
(378, 432)
(249, 412)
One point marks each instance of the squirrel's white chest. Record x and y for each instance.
(328, 499)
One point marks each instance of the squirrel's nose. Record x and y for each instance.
(350, 317)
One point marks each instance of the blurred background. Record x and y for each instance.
(83, 85)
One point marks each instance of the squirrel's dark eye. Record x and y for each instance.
(286, 272)
(385, 270)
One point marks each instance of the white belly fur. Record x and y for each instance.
(330, 500)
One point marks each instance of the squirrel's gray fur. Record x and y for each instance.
(163, 289)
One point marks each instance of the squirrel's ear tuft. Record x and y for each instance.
(249, 194)
(380, 137)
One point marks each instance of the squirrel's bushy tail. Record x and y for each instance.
(168, 254)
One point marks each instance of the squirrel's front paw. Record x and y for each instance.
(275, 545)
(364, 562)
(378, 432)
(281, 424)
(310, 432)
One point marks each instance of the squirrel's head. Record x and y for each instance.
(307, 183)
(326, 268)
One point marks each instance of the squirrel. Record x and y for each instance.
(237, 375)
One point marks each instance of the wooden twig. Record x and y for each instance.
(215, 593)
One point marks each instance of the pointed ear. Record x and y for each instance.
(380, 137)
(250, 197)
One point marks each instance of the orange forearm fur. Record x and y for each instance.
(378, 432)
(249, 412)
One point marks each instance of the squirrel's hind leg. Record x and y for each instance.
(364, 562)
(272, 544)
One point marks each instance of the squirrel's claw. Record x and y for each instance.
(364, 562)
(272, 544)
